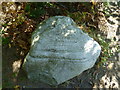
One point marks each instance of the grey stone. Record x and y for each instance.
(59, 51)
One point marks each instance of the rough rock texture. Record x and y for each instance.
(59, 51)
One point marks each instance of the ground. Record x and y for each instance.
(105, 75)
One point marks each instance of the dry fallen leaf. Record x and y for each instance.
(22, 44)
(110, 66)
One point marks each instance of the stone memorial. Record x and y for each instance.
(59, 51)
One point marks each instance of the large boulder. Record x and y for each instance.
(59, 51)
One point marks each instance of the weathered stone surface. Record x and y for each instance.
(59, 51)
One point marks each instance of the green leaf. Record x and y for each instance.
(27, 8)
(5, 41)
